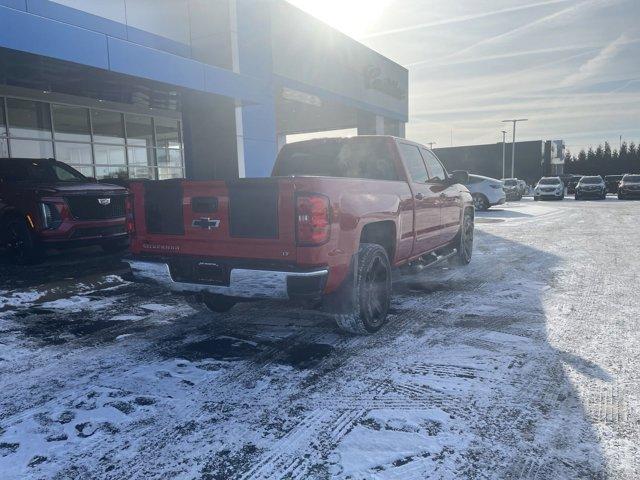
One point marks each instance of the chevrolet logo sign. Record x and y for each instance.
(207, 223)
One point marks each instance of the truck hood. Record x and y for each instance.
(80, 188)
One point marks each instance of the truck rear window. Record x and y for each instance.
(369, 158)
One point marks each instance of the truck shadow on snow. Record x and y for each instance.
(462, 383)
(471, 342)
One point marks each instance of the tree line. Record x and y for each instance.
(604, 161)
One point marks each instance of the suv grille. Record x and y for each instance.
(89, 207)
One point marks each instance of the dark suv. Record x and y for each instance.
(47, 204)
(593, 187)
(629, 187)
(612, 182)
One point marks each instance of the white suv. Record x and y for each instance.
(549, 187)
(486, 192)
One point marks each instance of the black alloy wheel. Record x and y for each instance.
(464, 240)
(370, 298)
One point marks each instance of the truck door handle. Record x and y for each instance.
(419, 196)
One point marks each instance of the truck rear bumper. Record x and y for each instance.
(243, 283)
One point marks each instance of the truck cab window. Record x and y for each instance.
(368, 158)
(436, 170)
(414, 162)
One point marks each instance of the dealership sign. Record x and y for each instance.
(374, 80)
(302, 97)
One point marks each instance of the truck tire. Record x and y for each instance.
(218, 303)
(371, 295)
(464, 240)
(21, 245)
(480, 202)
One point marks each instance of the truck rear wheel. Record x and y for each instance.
(218, 303)
(371, 295)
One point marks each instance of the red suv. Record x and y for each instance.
(47, 204)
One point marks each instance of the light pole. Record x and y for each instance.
(504, 132)
(513, 145)
(431, 144)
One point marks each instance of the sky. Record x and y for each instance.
(572, 67)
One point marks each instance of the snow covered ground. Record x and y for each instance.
(523, 365)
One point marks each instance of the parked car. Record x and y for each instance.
(329, 225)
(523, 187)
(612, 182)
(512, 189)
(486, 192)
(629, 187)
(591, 187)
(549, 187)
(47, 204)
(572, 182)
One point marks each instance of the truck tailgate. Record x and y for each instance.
(246, 218)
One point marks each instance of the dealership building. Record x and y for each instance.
(200, 89)
(533, 159)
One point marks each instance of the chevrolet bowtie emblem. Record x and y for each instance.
(207, 223)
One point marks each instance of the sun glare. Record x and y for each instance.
(353, 17)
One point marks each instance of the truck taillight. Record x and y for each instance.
(129, 217)
(313, 222)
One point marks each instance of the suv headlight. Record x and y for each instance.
(51, 218)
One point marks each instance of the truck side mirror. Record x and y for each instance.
(459, 176)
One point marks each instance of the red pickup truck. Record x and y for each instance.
(332, 221)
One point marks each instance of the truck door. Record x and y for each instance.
(449, 197)
(425, 200)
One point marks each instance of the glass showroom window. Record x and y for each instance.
(108, 149)
(98, 143)
(4, 143)
(72, 135)
(29, 128)
(140, 146)
(169, 148)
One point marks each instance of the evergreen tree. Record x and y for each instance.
(623, 160)
(590, 164)
(606, 156)
(634, 157)
(603, 160)
(581, 162)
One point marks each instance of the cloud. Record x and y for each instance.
(527, 26)
(598, 63)
(463, 18)
(501, 56)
